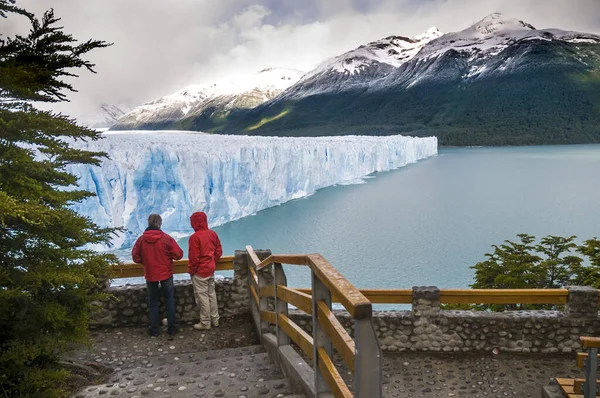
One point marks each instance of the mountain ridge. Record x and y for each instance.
(498, 82)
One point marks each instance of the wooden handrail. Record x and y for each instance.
(332, 376)
(267, 291)
(329, 331)
(465, 296)
(253, 255)
(504, 296)
(293, 259)
(300, 300)
(350, 297)
(340, 339)
(253, 276)
(132, 270)
(297, 334)
(255, 296)
(268, 316)
(590, 342)
(375, 296)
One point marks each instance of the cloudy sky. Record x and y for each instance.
(161, 46)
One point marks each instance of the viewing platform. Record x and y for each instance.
(278, 341)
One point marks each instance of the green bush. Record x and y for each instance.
(549, 264)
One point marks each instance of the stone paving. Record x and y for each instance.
(222, 362)
(228, 362)
(413, 374)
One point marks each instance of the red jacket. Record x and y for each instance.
(156, 250)
(204, 247)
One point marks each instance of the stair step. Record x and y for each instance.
(234, 372)
(200, 388)
(249, 367)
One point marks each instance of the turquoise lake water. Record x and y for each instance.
(426, 223)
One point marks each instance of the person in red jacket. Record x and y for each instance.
(204, 252)
(156, 251)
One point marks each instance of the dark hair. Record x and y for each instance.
(154, 220)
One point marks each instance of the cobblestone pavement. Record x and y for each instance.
(228, 362)
(469, 375)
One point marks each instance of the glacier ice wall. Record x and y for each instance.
(228, 177)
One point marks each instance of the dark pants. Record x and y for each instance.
(168, 290)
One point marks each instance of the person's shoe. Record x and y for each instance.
(215, 324)
(200, 326)
(153, 334)
(172, 332)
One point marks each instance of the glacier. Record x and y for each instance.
(174, 173)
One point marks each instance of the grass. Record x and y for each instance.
(269, 119)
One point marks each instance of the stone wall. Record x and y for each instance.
(428, 328)
(425, 328)
(128, 305)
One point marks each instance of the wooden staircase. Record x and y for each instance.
(583, 388)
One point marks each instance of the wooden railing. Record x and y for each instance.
(467, 296)
(587, 387)
(362, 355)
(132, 270)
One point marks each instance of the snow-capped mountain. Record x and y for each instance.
(212, 101)
(499, 81)
(398, 60)
(362, 66)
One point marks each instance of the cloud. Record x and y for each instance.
(160, 47)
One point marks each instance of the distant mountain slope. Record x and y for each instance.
(105, 116)
(498, 82)
(211, 102)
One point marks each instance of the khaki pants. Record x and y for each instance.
(206, 299)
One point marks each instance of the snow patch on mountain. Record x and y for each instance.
(392, 50)
(262, 86)
(493, 34)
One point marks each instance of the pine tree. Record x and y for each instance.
(47, 273)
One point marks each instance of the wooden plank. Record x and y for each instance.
(132, 270)
(581, 357)
(340, 339)
(255, 296)
(292, 259)
(506, 292)
(377, 296)
(253, 257)
(332, 376)
(264, 263)
(565, 382)
(300, 300)
(268, 316)
(267, 291)
(578, 386)
(590, 342)
(503, 296)
(350, 297)
(388, 296)
(297, 334)
(253, 275)
(465, 296)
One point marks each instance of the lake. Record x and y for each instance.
(427, 223)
